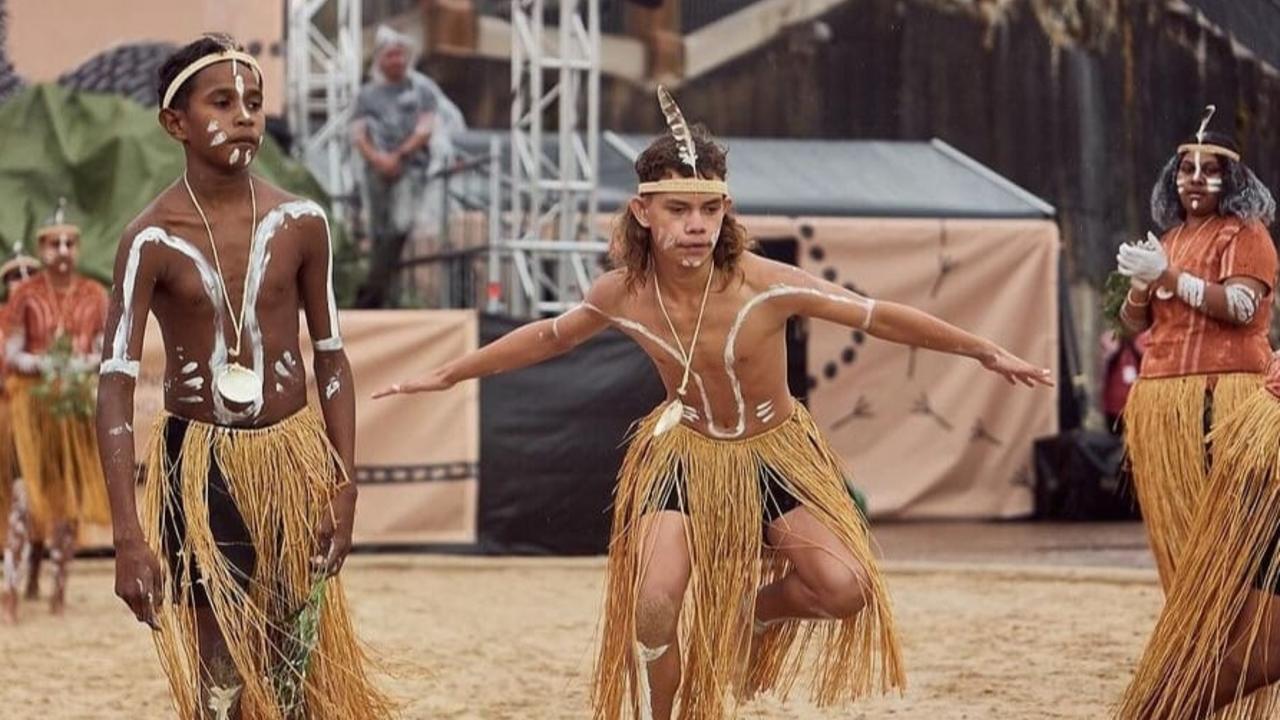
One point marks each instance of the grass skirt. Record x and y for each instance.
(281, 479)
(845, 659)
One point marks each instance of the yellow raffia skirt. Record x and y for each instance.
(281, 479)
(6, 464)
(58, 460)
(845, 659)
(1228, 575)
(1164, 422)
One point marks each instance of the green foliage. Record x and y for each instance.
(67, 388)
(290, 674)
(1114, 291)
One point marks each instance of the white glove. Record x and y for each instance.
(1142, 261)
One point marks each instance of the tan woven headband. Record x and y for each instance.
(204, 62)
(685, 185)
(1211, 149)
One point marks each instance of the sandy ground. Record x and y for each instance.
(484, 639)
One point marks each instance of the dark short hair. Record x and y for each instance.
(182, 57)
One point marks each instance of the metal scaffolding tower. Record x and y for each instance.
(548, 249)
(323, 77)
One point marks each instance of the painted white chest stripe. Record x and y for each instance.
(729, 348)
(259, 257)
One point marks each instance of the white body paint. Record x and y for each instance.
(219, 137)
(244, 110)
(191, 399)
(248, 157)
(332, 388)
(259, 258)
(775, 291)
(195, 383)
(1242, 303)
(282, 371)
(118, 366)
(1191, 290)
(764, 411)
(235, 156)
(729, 350)
(120, 430)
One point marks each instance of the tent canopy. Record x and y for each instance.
(827, 178)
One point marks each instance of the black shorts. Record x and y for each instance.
(225, 521)
(777, 501)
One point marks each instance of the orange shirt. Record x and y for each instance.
(1186, 341)
(38, 311)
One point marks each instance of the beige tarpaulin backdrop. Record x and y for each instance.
(416, 457)
(929, 435)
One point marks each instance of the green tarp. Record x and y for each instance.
(109, 157)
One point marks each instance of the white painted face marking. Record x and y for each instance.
(1213, 185)
(1198, 173)
(248, 157)
(219, 136)
(240, 91)
(235, 156)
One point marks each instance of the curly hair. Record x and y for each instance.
(1243, 195)
(630, 246)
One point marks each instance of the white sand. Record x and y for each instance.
(513, 638)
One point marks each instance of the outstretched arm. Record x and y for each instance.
(527, 345)
(337, 391)
(907, 326)
(137, 569)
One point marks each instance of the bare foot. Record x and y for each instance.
(57, 603)
(9, 607)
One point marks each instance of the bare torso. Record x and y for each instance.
(738, 384)
(171, 242)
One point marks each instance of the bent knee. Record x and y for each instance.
(841, 592)
(657, 618)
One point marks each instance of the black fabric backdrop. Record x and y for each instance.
(551, 441)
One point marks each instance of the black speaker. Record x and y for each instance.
(1080, 475)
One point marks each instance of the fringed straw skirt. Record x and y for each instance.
(1166, 423)
(231, 513)
(1227, 581)
(58, 460)
(725, 503)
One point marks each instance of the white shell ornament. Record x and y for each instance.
(669, 418)
(238, 384)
